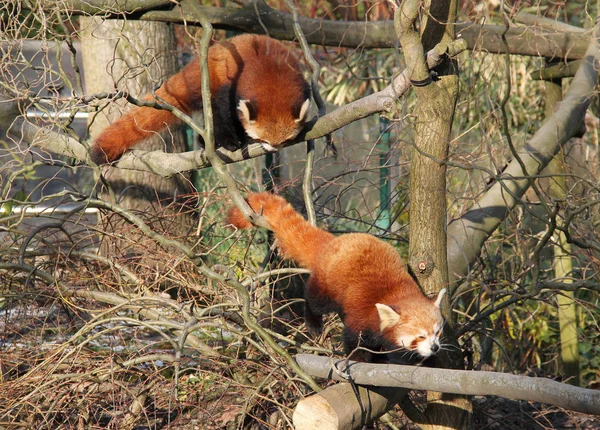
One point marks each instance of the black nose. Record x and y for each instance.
(435, 348)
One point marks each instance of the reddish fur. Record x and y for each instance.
(359, 271)
(350, 273)
(257, 68)
(298, 239)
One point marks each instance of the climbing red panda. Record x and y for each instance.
(258, 93)
(360, 277)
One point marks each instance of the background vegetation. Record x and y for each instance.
(190, 323)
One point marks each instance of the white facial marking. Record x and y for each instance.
(268, 147)
(303, 111)
(252, 132)
(426, 345)
(243, 108)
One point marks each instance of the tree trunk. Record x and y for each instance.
(562, 263)
(134, 56)
(427, 252)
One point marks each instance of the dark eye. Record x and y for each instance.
(421, 337)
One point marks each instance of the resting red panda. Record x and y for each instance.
(258, 93)
(360, 277)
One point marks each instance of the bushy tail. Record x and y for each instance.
(140, 123)
(298, 239)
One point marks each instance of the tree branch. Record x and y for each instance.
(169, 164)
(530, 40)
(467, 382)
(376, 34)
(467, 234)
(102, 7)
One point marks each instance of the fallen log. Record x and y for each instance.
(468, 382)
(339, 407)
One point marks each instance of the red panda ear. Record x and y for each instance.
(440, 296)
(303, 111)
(248, 111)
(387, 316)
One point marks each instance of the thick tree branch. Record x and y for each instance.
(377, 34)
(169, 164)
(546, 23)
(102, 7)
(13, 124)
(556, 71)
(467, 382)
(528, 40)
(414, 57)
(467, 234)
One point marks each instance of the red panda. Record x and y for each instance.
(258, 93)
(360, 277)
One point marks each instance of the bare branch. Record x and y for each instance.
(456, 381)
(102, 6)
(378, 34)
(467, 234)
(314, 84)
(168, 164)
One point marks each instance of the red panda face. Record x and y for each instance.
(416, 328)
(270, 126)
(425, 342)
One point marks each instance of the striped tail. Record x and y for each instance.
(298, 239)
(181, 90)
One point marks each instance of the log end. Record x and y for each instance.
(313, 413)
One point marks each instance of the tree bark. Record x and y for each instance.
(427, 252)
(133, 56)
(339, 407)
(466, 382)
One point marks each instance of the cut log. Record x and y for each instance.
(468, 382)
(337, 407)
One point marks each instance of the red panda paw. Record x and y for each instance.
(313, 321)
